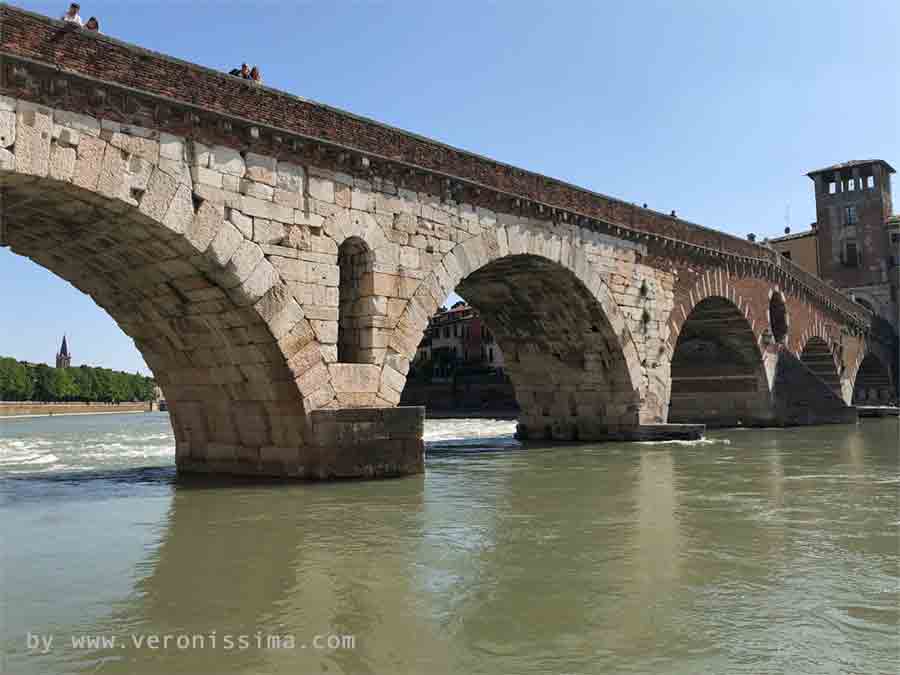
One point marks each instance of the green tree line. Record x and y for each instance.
(39, 382)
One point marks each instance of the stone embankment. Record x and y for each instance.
(23, 408)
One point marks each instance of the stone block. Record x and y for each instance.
(393, 379)
(171, 147)
(279, 311)
(34, 126)
(204, 225)
(83, 123)
(148, 148)
(320, 312)
(314, 378)
(204, 176)
(289, 177)
(261, 168)
(321, 189)
(242, 222)
(7, 128)
(267, 231)
(355, 377)
(409, 257)
(178, 169)
(7, 160)
(160, 191)
(397, 362)
(319, 398)
(326, 331)
(180, 214)
(260, 208)
(227, 160)
(243, 262)
(262, 191)
(288, 198)
(62, 163)
(111, 182)
(261, 280)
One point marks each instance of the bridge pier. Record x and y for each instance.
(590, 430)
(341, 443)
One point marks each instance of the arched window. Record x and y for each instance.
(355, 302)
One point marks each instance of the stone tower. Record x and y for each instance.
(857, 243)
(63, 359)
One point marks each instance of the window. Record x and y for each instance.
(851, 257)
(832, 188)
(850, 217)
(851, 185)
(786, 254)
(870, 182)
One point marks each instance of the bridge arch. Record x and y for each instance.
(117, 215)
(818, 355)
(872, 382)
(566, 345)
(717, 371)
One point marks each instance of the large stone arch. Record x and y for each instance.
(591, 373)
(718, 374)
(123, 215)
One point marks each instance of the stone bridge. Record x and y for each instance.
(276, 261)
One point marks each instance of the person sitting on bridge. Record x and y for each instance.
(72, 16)
(255, 76)
(92, 25)
(243, 71)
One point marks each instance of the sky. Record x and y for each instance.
(716, 109)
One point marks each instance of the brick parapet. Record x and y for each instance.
(106, 77)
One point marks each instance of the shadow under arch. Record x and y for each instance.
(564, 360)
(872, 384)
(167, 268)
(717, 374)
(818, 357)
(567, 349)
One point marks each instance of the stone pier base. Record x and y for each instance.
(638, 432)
(345, 443)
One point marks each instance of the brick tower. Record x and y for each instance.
(857, 240)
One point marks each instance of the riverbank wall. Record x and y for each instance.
(30, 408)
(461, 395)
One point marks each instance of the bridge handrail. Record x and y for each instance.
(44, 44)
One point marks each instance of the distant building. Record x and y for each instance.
(457, 338)
(855, 242)
(63, 358)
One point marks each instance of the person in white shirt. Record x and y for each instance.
(72, 16)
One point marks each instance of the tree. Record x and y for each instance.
(24, 382)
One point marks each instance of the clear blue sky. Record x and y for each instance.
(716, 109)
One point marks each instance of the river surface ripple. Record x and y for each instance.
(753, 551)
